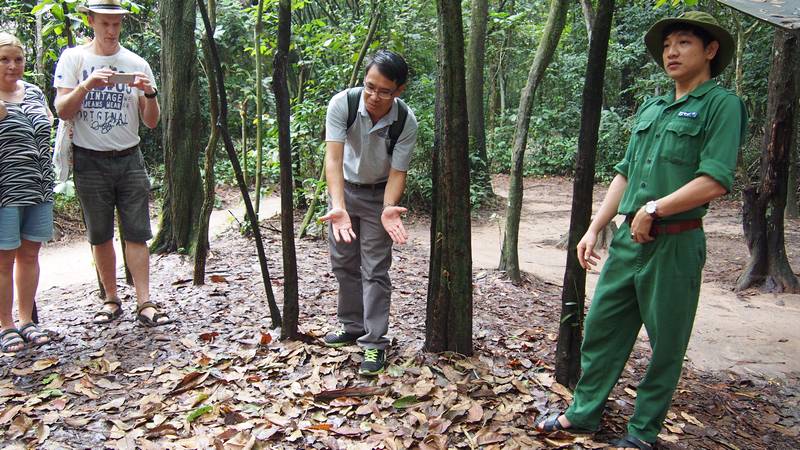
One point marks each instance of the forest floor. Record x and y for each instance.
(219, 377)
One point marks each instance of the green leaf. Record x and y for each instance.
(48, 379)
(405, 402)
(41, 8)
(194, 415)
(395, 371)
(47, 393)
(58, 12)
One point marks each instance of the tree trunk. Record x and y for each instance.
(764, 202)
(509, 258)
(573, 293)
(280, 66)
(373, 27)
(181, 125)
(243, 116)
(259, 101)
(449, 310)
(497, 77)
(275, 313)
(39, 63)
(588, 16)
(476, 52)
(201, 243)
(68, 25)
(792, 211)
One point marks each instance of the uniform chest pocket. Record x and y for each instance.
(639, 131)
(682, 142)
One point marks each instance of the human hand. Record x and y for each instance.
(98, 78)
(142, 82)
(393, 223)
(340, 224)
(640, 227)
(587, 257)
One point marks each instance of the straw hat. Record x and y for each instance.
(103, 7)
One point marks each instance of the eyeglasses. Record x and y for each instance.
(383, 95)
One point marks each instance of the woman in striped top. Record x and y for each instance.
(26, 195)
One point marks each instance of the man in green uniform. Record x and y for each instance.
(682, 154)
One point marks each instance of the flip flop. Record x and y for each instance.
(630, 441)
(552, 425)
(33, 335)
(11, 338)
(104, 316)
(151, 322)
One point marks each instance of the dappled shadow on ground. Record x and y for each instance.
(219, 378)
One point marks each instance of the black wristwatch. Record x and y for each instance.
(153, 95)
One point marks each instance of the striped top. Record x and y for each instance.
(26, 167)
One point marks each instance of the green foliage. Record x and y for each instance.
(327, 37)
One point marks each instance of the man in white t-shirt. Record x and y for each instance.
(106, 90)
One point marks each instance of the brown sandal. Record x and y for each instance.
(34, 335)
(104, 316)
(10, 339)
(151, 322)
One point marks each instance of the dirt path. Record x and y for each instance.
(750, 334)
(71, 263)
(753, 334)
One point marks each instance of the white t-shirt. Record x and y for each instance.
(366, 159)
(109, 117)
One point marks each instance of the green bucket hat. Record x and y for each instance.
(655, 44)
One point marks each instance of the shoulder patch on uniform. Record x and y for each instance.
(689, 114)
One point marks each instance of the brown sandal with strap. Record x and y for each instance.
(154, 321)
(105, 316)
(34, 335)
(11, 341)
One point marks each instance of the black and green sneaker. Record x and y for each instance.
(374, 362)
(340, 338)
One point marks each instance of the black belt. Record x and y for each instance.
(380, 185)
(678, 226)
(107, 153)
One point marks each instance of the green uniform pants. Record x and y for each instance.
(656, 284)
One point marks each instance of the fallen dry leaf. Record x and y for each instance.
(208, 337)
(347, 431)
(9, 413)
(360, 391)
(475, 413)
(42, 364)
(189, 382)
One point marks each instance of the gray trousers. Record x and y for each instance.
(362, 268)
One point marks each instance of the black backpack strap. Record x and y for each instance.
(397, 126)
(353, 97)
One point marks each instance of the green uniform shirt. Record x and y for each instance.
(674, 142)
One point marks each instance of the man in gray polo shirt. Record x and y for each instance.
(366, 170)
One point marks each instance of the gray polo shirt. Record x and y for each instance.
(366, 156)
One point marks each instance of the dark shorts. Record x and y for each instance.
(103, 184)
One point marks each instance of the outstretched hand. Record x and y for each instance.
(393, 223)
(340, 223)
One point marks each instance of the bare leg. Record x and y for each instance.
(7, 296)
(105, 258)
(26, 278)
(139, 264)
(6, 288)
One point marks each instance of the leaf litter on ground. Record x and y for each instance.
(218, 379)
